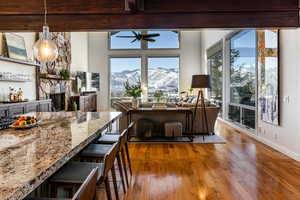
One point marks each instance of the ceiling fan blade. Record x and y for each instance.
(120, 36)
(134, 33)
(152, 35)
(133, 41)
(150, 40)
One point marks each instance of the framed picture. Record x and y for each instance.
(268, 75)
(15, 46)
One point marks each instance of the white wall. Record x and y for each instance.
(285, 137)
(79, 51)
(28, 87)
(189, 52)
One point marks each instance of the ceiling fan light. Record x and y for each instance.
(45, 50)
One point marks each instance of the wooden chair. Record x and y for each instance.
(72, 174)
(112, 138)
(87, 190)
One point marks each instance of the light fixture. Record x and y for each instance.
(45, 50)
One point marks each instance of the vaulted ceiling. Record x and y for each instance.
(84, 15)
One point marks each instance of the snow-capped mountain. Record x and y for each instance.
(163, 79)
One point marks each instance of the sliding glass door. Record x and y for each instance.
(242, 83)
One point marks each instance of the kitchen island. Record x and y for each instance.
(29, 157)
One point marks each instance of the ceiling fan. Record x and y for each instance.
(140, 36)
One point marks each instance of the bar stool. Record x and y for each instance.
(87, 190)
(111, 138)
(73, 173)
(96, 153)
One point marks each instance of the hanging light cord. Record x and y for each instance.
(45, 15)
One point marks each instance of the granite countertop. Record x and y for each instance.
(29, 157)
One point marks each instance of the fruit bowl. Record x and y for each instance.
(24, 122)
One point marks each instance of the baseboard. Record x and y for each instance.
(269, 143)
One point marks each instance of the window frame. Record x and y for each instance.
(215, 48)
(144, 44)
(109, 71)
(162, 56)
(227, 69)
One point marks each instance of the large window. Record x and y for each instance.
(243, 78)
(163, 75)
(215, 68)
(157, 72)
(122, 40)
(122, 70)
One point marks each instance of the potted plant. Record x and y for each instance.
(65, 74)
(133, 91)
(158, 95)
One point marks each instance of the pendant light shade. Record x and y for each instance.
(45, 50)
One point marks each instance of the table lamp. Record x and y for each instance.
(200, 81)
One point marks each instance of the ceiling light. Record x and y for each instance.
(45, 50)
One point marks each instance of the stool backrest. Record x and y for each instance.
(123, 137)
(109, 158)
(87, 190)
(130, 128)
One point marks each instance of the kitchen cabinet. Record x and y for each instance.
(26, 107)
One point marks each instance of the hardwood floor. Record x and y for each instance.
(240, 169)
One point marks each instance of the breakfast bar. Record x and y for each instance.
(28, 157)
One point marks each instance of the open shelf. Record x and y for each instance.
(14, 80)
(19, 61)
(54, 77)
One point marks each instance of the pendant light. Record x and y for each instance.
(45, 50)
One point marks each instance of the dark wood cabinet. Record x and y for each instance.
(88, 103)
(27, 107)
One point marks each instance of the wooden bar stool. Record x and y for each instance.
(96, 153)
(87, 190)
(110, 138)
(72, 174)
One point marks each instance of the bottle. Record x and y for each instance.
(20, 95)
(11, 94)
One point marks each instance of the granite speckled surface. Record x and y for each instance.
(29, 157)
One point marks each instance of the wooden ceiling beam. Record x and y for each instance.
(79, 15)
(151, 21)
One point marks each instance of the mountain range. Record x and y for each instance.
(163, 79)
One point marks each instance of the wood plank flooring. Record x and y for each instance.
(242, 169)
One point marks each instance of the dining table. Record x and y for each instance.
(28, 157)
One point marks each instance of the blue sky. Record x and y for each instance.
(121, 64)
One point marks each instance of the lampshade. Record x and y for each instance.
(45, 50)
(201, 81)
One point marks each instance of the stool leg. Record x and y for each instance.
(121, 171)
(124, 164)
(113, 173)
(53, 190)
(107, 189)
(128, 157)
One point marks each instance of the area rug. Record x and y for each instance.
(210, 139)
